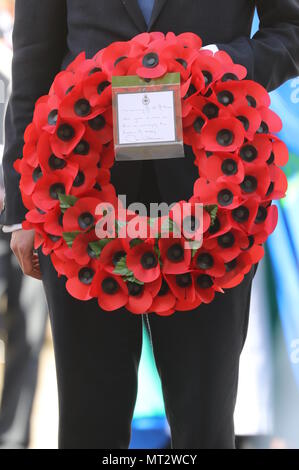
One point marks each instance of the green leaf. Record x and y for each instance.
(66, 201)
(122, 269)
(212, 210)
(98, 245)
(69, 237)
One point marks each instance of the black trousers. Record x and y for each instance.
(97, 355)
(22, 325)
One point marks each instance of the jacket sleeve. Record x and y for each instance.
(39, 43)
(272, 55)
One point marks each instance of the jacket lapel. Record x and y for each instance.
(158, 5)
(136, 14)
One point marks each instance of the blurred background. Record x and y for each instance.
(267, 411)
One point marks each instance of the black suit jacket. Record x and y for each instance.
(48, 34)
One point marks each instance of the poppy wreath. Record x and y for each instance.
(69, 151)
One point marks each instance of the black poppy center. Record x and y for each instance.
(110, 286)
(56, 163)
(263, 129)
(208, 78)
(85, 220)
(79, 180)
(229, 166)
(248, 153)
(229, 76)
(134, 288)
(270, 159)
(204, 261)
(52, 117)
(224, 137)
(82, 148)
(230, 265)
(82, 107)
(261, 215)
(85, 275)
(210, 110)
(183, 280)
(240, 214)
(56, 189)
(148, 260)
(119, 59)
(225, 197)
(226, 240)
(249, 184)
(164, 289)
(150, 60)
(225, 97)
(198, 124)
(65, 132)
(204, 281)
(183, 62)
(175, 253)
(37, 174)
(97, 123)
(251, 101)
(102, 86)
(244, 121)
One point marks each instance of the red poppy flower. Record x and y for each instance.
(175, 256)
(189, 219)
(100, 127)
(244, 215)
(82, 216)
(46, 113)
(278, 184)
(230, 242)
(220, 134)
(141, 296)
(193, 125)
(80, 280)
(67, 135)
(224, 194)
(31, 137)
(221, 167)
(29, 176)
(271, 122)
(205, 67)
(256, 180)
(256, 151)
(179, 59)
(151, 63)
(82, 251)
(111, 290)
(97, 90)
(265, 220)
(182, 286)
(208, 262)
(111, 254)
(164, 301)
(63, 83)
(53, 221)
(248, 92)
(143, 262)
(231, 71)
(50, 163)
(76, 107)
(280, 153)
(48, 188)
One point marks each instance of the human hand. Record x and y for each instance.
(22, 245)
